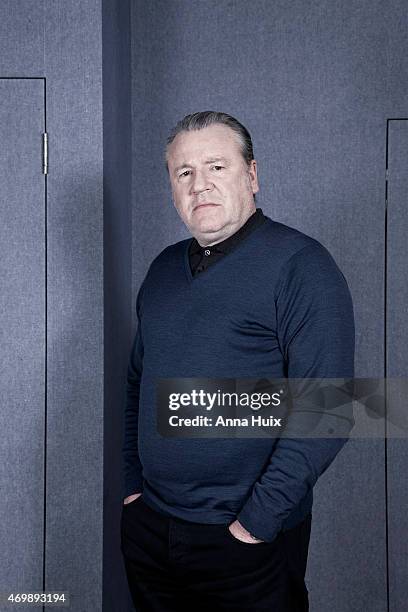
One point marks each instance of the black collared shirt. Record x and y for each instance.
(201, 258)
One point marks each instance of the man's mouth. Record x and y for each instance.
(204, 205)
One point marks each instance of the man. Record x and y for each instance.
(224, 524)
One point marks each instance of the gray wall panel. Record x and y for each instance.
(347, 556)
(63, 42)
(313, 82)
(22, 38)
(397, 358)
(22, 334)
(73, 43)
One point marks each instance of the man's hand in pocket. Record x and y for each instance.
(131, 498)
(240, 533)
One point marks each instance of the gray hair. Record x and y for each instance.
(203, 119)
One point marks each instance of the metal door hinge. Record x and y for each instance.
(45, 153)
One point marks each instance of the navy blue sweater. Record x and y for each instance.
(276, 306)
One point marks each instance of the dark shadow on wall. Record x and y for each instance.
(117, 284)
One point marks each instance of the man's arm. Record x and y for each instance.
(315, 325)
(132, 467)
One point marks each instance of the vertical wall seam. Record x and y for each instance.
(387, 573)
(385, 347)
(45, 361)
(45, 320)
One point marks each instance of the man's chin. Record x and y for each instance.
(209, 235)
(208, 229)
(207, 226)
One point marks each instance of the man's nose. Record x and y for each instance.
(200, 182)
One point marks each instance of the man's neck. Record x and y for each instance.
(208, 241)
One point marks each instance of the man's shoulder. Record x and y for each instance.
(303, 259)
(288, 241)
(299, 257)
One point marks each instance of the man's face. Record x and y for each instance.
(213, 187)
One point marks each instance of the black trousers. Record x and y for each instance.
(174, 565)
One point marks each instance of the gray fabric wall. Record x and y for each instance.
(53, 523)
(74, 445)
(22, 331)
(314, 82)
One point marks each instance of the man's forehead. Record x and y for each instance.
(204, 145)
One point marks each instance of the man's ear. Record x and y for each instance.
(253, 176)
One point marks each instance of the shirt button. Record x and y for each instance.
(207, 252)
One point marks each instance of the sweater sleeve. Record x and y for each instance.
(132, 468)
(315, 326)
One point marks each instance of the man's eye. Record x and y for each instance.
(218, 167)
(185, 173)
